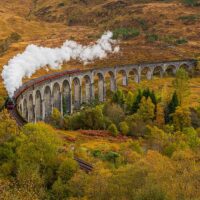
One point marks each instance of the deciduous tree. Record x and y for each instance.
(146, 109)
(181, 118)
(181, 85)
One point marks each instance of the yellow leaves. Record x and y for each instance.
(158, 162)
(146, 109)
(181, 118)
(8, 127)
(182, 155)
(160, 115)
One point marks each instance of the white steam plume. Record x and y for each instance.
(36, 57)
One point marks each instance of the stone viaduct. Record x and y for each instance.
(65, 91)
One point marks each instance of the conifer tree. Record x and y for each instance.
(146, 93)
(119, 97)
(153, 97)
(137, 102)
(171, 108)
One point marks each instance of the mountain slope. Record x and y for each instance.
(166, 30)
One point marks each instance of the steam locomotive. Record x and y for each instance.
(10, 103)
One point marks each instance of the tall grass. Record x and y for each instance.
(125, 33)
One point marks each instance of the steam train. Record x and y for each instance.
(10, 103)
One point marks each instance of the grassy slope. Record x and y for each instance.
(51, 22)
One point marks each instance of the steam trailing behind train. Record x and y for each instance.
(10, 102)
(36, 57)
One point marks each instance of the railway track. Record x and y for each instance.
(87, 167)
(14, 114)
(84, 165)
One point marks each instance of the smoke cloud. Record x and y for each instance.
(37, 57)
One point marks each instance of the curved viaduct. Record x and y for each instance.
(68, 90)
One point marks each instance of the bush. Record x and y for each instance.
(136, 125)
(112, 156)
(67, 169)
(114, 112)
(118, 97)
(192, 137)
(169, 39)
(59, 189)
(74, 122)
(56, 118)
(189, 19)
(125, 33)
(113, 129)
(97, 153)
(190, 2)
(14, 37)
(5, 43)
(92, 118)
(123, 126)
(181, 41)
(152, 38)
(169, 150)
(135, 146)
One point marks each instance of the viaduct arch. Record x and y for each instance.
(68, 90)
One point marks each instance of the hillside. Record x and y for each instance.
(99, 134)
(161, 33)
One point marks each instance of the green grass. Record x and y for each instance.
(181, 41)
(125, 33)
(152, 37)
(186, 19)
(169, 39)
(191, 2)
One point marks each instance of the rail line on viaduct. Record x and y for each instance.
(68, 90)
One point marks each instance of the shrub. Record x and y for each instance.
(169, 39)
(114, 112)
(89, 118)
(181, 118)
(172, 40)
(181, 41)
(119, 97)
(67, 169)
(56, 118)
(112, 156)
(123, 126)
(146, 109)
(74, 121)
(59, 189)
(5, 43)
(188, 19)
(130, 98)
(143, 23)
(135, 146)
(113, 129)
(92, 118)
(190, 2)
(152, 38)
(136, 125)
(125, 33)
(169, 150)
(192, 137)
(97, 153)
(14, 37)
